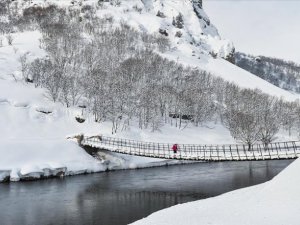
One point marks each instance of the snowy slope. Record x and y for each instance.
(273, 203)
(229, 72)
(32, 142)
(281, 73)
(143, 15)
(199, 39)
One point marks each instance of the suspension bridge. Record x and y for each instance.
(234, 152)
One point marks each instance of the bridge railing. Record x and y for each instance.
(279, 150)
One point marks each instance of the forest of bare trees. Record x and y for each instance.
(119, 75)
(281, 73)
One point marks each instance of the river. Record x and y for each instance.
(121, 197)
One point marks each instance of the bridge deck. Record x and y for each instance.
(279, 150)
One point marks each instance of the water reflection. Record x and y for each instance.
(125, 196)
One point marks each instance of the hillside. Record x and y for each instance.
(133, 69)
(278, 72)
(195, 42)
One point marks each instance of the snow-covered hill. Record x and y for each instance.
(33, 128)
(281, 73)
(200, 44)
(192, 28)
(195, 42)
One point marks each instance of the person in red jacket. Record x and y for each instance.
(175, 148)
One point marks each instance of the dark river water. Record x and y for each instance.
(121, 197)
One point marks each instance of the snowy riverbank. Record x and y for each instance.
(37, 159)
(33, 130)
(273, 203)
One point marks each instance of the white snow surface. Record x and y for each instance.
(273, 203)
(32, 143)
(32, 157)
(204, 38)
(229, 72)
(199, 31)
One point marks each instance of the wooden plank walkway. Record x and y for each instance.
(235, 152)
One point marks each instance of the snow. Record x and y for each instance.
(26, 42)
(229, 72)
(194, 31)
(33, 156)
(245, 79)
(34, 144)
(31, 141)
(273, 203)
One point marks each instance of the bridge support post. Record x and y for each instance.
(294, 147)
(286, 149)
(278, 155)
(238, 153)
(260, 150)
(245, 152)
(231, 153)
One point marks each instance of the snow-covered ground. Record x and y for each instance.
(34, 143)
(204, 38)
(229, 72)
(273, 203)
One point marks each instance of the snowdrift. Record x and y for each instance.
(37, 159)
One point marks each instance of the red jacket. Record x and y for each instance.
(175, 147)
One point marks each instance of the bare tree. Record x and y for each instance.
(243, 127)
(9, 38)
(269, 119)
(25, 66)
